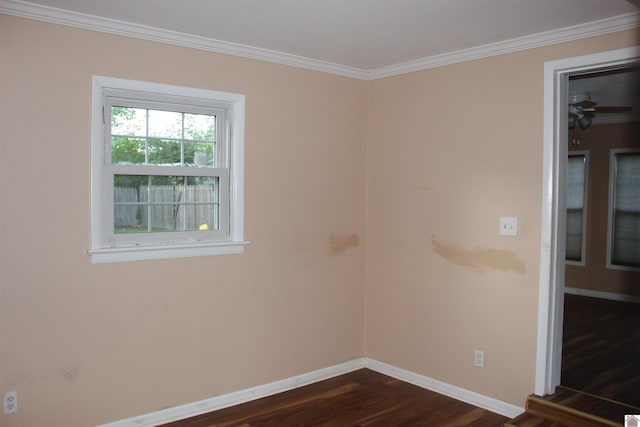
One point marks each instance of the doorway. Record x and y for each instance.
(553, 219)
(600, 345)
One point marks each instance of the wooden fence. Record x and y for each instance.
(165, 207)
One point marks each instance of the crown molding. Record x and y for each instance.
(590, 29)
(54, 15)
(38, 12)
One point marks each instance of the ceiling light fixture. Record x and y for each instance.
(579, 99)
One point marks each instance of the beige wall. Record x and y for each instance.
(451, 150)
(86, 344)
(437, 156)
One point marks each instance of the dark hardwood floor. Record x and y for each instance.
(601, 348)
(360, 398)
(601, 356)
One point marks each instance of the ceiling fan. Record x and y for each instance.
(582, 109)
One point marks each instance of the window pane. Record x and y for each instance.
(127, 207)
(164, 152)
(201, 204)
(126, 121)
(199, 127)
(198, 153)
(155, 137)
(163, 198)
(127, 210)
(151, 204)
(126, 150)
(626, 210)
(576, 179)
(165, 124)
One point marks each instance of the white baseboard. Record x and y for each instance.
(464, 395)
(224, 401)
(601, 294)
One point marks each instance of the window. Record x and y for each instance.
(576, 202)
(624, 210)
(167, 165)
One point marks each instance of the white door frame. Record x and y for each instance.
(553, 225)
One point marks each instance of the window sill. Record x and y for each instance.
(140, 253)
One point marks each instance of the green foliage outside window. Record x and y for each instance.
(196, 135)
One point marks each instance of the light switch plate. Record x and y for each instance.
(508, 226)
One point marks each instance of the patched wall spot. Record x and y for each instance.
(479, 259)
(339, 244)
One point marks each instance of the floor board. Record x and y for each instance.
(601, 348)
(360, 398)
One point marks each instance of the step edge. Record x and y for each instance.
(606, 399)
(575, 412)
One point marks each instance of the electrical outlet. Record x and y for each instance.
(479, 359)
(10, 402)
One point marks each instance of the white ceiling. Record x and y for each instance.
(365, 39)
(361, 34)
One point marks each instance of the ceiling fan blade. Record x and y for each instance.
(612, 109)
(585, 104)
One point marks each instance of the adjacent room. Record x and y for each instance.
(602, 310)
(334, 186)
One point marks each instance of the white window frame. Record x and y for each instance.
(610, 225)
(585, 200)
(104, 246)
